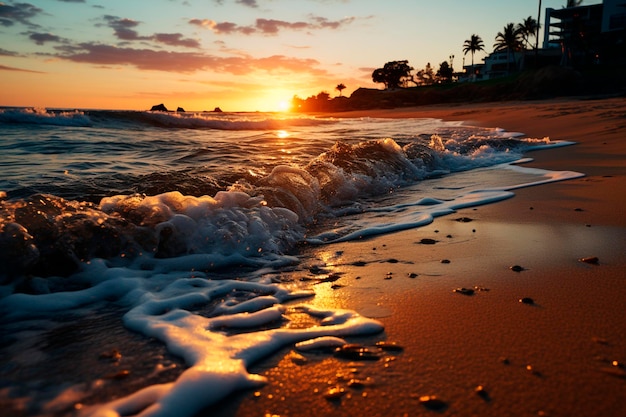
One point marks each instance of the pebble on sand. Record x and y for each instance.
(464, 291)
(334, 393)
(527, 300)
(427, 241)
(517, 268)
(590, 260)
(432, 402)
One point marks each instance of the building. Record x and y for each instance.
(574, 36)
(586, 34)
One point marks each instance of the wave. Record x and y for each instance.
(146, 119)
(254, 220)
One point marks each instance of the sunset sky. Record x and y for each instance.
(240, 55)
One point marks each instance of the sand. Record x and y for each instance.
(562, 355)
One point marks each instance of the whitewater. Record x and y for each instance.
(190, 229)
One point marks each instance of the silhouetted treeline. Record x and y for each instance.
(543, 83)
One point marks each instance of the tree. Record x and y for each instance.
(394, 74)
(445, 72)
(425, 76)
(509, 41)
(340, 87)
(473, 45)
(528, 29)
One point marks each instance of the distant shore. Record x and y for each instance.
(560, 353)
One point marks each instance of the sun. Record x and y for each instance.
(284, 105)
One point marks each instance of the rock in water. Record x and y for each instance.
(159, 107)
(180, 110)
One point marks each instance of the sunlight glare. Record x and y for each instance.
(284, 106)
(282, 134)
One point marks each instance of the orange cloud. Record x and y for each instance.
(270, 26)
(183, 62)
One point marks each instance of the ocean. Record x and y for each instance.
(175, 243)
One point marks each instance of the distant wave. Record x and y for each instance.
(142, 119)
(40, 116)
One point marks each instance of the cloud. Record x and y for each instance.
(183, 62)
(5, 68)
(271, 26)
(124, 30)
(175, 39)
(42, 38)
(6, 52)
(18, 12)
(249, 3)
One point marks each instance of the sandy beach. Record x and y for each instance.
(559, 353)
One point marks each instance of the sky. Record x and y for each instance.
(239, 55)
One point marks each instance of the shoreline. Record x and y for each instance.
(560, 355)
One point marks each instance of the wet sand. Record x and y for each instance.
(562, 353)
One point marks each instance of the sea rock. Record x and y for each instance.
(217, 110)
(180, 110)
(159, 107)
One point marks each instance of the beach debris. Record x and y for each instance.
(356, 352)
(335, 393)
(590, 260)
(389, 346)
(533, 371)
(464, 291)
(527, 300)
(412, 275)
(464, 219)
(445, 261)
(432, 402)
(615, 370)
(517, 268)
(482, 392)
(427, 241)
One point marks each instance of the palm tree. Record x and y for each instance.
(528, 29)
(340, 87)
(473, 45)
(508, 40)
